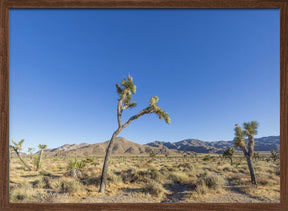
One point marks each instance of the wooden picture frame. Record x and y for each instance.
(4, 100)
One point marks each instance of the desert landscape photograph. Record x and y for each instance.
(144, 106)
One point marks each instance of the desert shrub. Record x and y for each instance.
(262, 180)
(201, 187)
(214, 181)
(91, 181)
(155, 189)
(68, 186)
(37, 184)
(172, 169)
(226, 168)
(114, 178)
(164, 171)
(179, 177)
(48, 197)
(45, 173)
(23, 194)
(185, 166)
(207, 158)
(131, 175)
(46, 182)
(127, 175)
(145, 176)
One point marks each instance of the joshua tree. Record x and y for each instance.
(250, 129)
(228, 153)
(17, 149)
(125, 92)
(41, 147)
(274, 155)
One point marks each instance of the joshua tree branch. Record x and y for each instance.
(147, 110)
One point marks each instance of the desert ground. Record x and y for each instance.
(140, 179)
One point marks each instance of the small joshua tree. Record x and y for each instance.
(125, 92)
(250, 129)
(228, 153)
(17, 147)
(41, 147)
(274, 155)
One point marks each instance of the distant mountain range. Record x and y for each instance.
(261, 144)
(125, 147)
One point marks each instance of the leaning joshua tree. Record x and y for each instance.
(125, 92)
(228, 153)
(17, 148)
(41, 147)
(250, 129)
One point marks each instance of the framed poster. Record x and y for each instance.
(197, 119)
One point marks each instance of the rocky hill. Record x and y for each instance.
(121, 147)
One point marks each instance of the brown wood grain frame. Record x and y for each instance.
(5, 5)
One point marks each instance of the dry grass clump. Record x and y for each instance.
(114, 178)
(179, 177)
(201, 187)
(133, 176)
(68, 185)
(207, 182)
(25, 194)
(155, 189)
(214, 181)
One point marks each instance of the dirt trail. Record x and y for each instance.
(178, 192)
(233, 195)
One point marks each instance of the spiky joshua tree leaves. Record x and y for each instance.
(250, 129)
(17, 147)
(228, 153)
(41, 147)
(125, 91)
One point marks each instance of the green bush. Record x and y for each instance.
(76, 164)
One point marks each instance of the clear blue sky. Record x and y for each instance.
(209, 68)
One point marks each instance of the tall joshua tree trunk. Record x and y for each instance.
(39, 160)
(125, 92)
(41, 147)
(106, 160)
(251, 169)
(249, 159)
